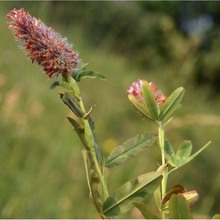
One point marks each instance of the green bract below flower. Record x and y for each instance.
(42, 43)
(136, 91)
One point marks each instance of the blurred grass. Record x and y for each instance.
(42, 172)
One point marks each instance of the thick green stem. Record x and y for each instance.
(165, 171)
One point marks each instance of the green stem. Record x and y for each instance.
(101, 176)
(165, 171)
(91, 142)
(94, 157)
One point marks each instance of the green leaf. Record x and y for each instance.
(182, 162)
(129, 149)
(198, 152)
(149, 101)
(157, 197)
(80, 68)
(170, 154)
(216, 216)
(89, 136)
(92, 180)
(146, 211)
(141, 107)
(171, 104)
(72, 87)
(72, 103)
(132, 191)
(90, 74)
(183, 152)
(179, 208)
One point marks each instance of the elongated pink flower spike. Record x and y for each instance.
(136, 91)
(43, 45)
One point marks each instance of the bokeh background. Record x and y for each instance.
(172, 44)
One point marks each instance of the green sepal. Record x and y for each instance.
(149, 100)
(133, 191)
(140, 106)
(93, 181)
(90, 74)
(130, 149)
(171, 104)
(179, 208)
(146, 211)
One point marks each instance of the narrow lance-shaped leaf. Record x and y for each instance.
(179, 208)
(90, 74)
(198, 152)
(183, 152)
(157, 197)
(72, 103)
(80, 68)
(149, 101)
(133, 191)
(180, 163)
(129, 149)
(171, 104)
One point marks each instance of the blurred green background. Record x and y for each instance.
(172, 44)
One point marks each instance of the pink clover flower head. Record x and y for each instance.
(136, 91)
(43, 45)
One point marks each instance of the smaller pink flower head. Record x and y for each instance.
(136, 91)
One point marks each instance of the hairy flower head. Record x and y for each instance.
(136, 91)
(43, 45)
